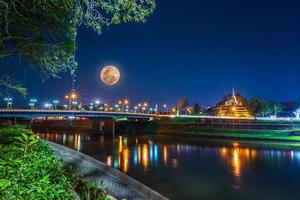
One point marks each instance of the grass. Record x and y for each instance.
(189, 127)
(30, 170)
(235, 134)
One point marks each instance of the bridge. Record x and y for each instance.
(99, 120)
(33, 114)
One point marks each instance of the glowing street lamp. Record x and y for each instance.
(70, 98)
(47, 105)
(97, 103)
(174, 110)
(9, 102)
(145, 105)
(65, 106)
(73, 95)
(55, 102)
(126, 102)
(32, 103)
(91, 106)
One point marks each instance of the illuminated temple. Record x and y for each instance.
(233, 107)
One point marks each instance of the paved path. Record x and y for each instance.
(117, 184)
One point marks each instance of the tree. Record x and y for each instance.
(42, 33)
(254, 106)
(278, 108)
(266, 108)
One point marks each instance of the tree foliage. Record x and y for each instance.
(42, 33)
(265, 107)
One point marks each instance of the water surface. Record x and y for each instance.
(185, 168)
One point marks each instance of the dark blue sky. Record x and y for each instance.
(195, 49)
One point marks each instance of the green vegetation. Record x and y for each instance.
(265, 107)
(192, 127)
(29, 170)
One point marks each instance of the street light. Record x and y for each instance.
(32, 103)
(55, 102)
(97, 102)
(48, 105)
(91, 106)
(73, 95)
(9, 102)
(126, 102)
(145, 107)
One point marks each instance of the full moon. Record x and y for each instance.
(110, 75)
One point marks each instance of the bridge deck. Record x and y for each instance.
(30, 114)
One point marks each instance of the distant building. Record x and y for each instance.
(233, 106)
(182, 105)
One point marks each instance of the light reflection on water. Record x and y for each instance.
(147, 157)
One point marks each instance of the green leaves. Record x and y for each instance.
(29, 170)
(24, 141)
(42, 33)
(8, 134)
(37, 174)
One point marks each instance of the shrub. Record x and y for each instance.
(29, 169)
(8, 134)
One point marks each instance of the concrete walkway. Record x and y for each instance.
(117, 184)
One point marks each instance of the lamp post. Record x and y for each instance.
(97, 102)
(48, 106)
(91, 106)
(71, 98)
(165, 106)
(74, 105)
(55, 102)
(139, 106)
(145, 107)
(126, 105)
(32, 103)
(9, 102)
(123, 104)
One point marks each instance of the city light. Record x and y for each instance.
(73, 95)
(48, 105)
(91, 106)
(32, 103)
(9, 102)
(126, 102)
(55, 102)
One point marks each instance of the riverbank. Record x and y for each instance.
(117, 183)
(253, 130)
(30, 170)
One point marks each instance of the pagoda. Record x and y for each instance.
(233, 107)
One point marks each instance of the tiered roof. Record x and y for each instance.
(233, 108)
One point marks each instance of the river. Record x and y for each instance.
(200, 169)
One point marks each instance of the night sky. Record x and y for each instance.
(194, 49)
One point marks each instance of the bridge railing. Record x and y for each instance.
(72, 112)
